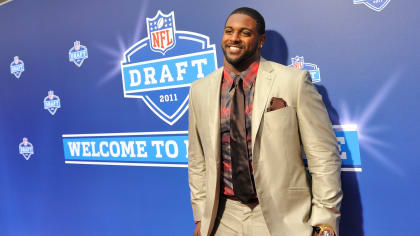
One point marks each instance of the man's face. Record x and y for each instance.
(241, 41)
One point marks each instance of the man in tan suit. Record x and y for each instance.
(281, 112)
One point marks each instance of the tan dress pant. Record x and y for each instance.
(237, 219)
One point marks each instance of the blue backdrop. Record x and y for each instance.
(105, 151)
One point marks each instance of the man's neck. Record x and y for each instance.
(239, 68)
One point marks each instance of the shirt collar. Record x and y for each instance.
(248, 76)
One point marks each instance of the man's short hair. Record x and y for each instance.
(253, 14)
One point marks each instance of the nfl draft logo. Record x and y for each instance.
(78, 53)
(51, 102)
(161, 32)
(17, 67)
(159, 69)
(299, 63)
(26, 149)
(376, 5)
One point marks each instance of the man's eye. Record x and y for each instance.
(228, 31)
(246, 33)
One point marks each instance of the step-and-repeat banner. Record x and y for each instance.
(94, 108)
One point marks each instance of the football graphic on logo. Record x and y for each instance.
(160, 23)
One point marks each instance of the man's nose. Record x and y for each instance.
(235, 37)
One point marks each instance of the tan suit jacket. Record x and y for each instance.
(291, 200)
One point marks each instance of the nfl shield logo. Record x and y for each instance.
(17, 67)
(78, 53)
(51, 102)
(297, 62)
(26, 149)
(161, 32)
(300, 64)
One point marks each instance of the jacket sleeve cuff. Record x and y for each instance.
(325, 216)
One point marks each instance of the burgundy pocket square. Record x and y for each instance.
(276, 103)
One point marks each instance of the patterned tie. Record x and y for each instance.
(241, 174)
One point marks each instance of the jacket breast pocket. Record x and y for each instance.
(281, 118)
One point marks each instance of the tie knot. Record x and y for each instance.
(238, 82)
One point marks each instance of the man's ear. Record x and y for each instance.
(262, 41)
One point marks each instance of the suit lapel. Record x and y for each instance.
(213, 101)
(262, 90)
